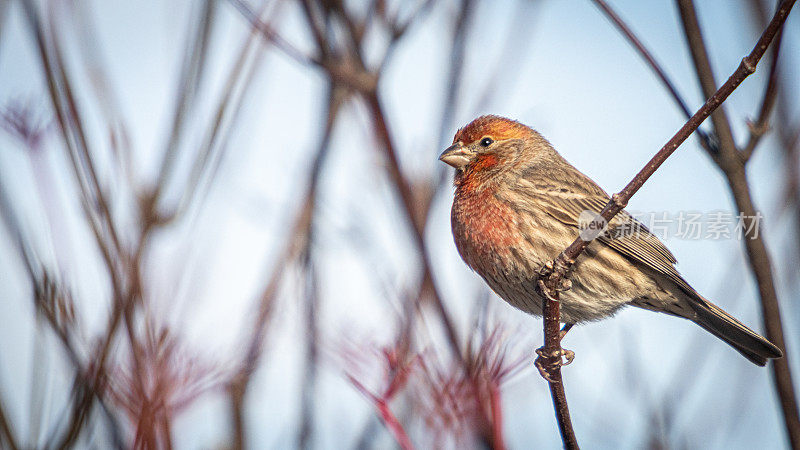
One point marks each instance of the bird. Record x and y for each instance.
(518, 204)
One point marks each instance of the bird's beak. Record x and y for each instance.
(457, 156)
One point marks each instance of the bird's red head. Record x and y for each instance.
(494, 127)
(484, 147)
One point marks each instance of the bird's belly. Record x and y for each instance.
(602, 282)
(578, 304)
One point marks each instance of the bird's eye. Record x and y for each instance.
(485, 142)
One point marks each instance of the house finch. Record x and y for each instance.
(518, 204)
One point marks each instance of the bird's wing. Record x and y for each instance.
(625, 234)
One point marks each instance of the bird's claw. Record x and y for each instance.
(547, 363)
(545, 291)
(546, 269)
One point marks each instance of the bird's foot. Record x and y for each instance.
(547, 363)
(546, 269)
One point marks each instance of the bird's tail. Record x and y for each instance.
(722, 325)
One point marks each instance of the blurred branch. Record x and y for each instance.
(191, 77)
(56, 307)
(343, 72)
(309, 379)
(691, 27)
(4, 4)
(297, 243)
(398, 29)
(7, 435)
(455, 69)
(273, 36)
(105, 97)
(215, 142)
(651, 61)
(549, 282)
(125, 297)
(760, 127)
(65, 108)
(386, 415)
(414, 216)
(355, 67)
(730, 162)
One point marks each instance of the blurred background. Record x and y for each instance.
(224, 223)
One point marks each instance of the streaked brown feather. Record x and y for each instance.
(565, 205)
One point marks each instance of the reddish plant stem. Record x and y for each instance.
(495, 403)
(394, 425)
(385, 413)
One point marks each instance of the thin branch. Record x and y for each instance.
(390, 421)
(310, 372)
(67, 119)
(42, 284)
(565, 260)
(4, 4)
(551, 318)
(343, 72)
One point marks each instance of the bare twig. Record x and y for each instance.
(567, 258)
(273, 36)
(552, 357)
